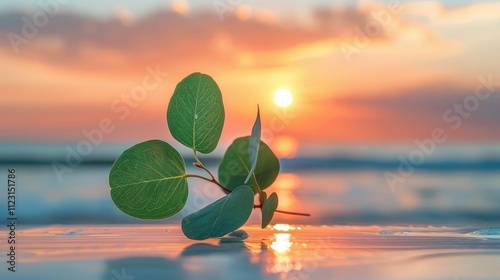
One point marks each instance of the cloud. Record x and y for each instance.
(169, 37)
(173, 37)
(124, 42)
(78, 59)
(437, 13)
(180, 6)
(124, 15)
(414, 113)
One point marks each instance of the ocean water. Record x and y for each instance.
(456, 186)
(439, 220)
(283, 251)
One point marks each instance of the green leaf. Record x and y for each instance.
(270, 206)
(253, 147)
(221, 217)
(148, 181)
(195, 113)
(235, 166)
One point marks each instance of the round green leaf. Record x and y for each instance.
(195, 113)
(148, 181)
(270, 206)
(235, 166)
(221, 217)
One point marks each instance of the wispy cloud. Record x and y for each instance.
(436, 12)
(84, 62)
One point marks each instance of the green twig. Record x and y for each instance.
(208, 180)
(293, 213)
(284, 212)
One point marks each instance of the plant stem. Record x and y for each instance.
(256, 184)
(196, 157)
(208, 180)
(261, 197)
(209, 173)
(293, 213)
(285, 212)
(200, 165)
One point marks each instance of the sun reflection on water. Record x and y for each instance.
(282, 243)
(285, 259)
(283, 227)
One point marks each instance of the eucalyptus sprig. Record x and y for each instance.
(149, 180)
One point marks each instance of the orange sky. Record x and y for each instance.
(394, 86)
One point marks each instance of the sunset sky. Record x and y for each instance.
(359, 71)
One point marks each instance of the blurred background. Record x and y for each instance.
(382, 112)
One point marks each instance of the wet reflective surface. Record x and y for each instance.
(278, 252)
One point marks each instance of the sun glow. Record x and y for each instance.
(283, 97)
(285, 146)
(282, 243)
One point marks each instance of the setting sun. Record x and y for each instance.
(283, 97)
